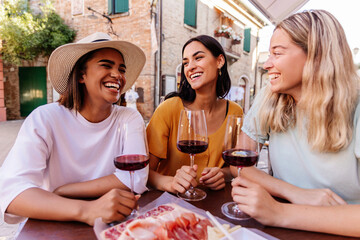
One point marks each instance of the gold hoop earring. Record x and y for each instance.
(219, 72)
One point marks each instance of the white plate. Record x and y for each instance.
(246, 234)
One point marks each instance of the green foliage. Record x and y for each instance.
(26, 35)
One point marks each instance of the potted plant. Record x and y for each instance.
(236, 39)
(228, 32)
(223, 31)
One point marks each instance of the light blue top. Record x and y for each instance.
(293, 161)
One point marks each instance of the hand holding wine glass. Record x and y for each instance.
(131, 157)
(192, 139)
(239, 151)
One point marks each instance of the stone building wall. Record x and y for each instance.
(12, 94)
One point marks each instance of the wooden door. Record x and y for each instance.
(32, 83)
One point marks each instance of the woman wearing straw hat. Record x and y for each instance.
(73, 140)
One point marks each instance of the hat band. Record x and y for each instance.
(100, 40)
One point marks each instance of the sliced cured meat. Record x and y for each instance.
(168, 221)
(142, 230)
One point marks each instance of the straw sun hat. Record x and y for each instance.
(63, 59)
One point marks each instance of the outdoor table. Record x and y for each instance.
(39, 229)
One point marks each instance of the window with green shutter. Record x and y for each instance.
(190, 12)
(118, 6)
(247, 40)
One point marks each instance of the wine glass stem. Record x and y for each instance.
(192, 156)
(239, 169)
(132, 181)
(235, 207)
(134, 211)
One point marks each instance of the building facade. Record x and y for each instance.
(188, 18)
(129, 22)
(160, 28)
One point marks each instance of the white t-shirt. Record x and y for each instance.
(293, 160)
(56, 146)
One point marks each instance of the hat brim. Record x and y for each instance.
(63, 59)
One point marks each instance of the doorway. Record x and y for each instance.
(32, 84)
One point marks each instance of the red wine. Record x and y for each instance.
(131, 162)
(240, 157)
(192, 146)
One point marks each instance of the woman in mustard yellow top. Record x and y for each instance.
(204, 83)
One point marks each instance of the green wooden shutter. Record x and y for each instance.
(247, 40)
(118, 6)
(190, 12)
(121, 6)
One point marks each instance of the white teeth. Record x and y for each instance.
(195, 75)
(112, 85)
(273, 76)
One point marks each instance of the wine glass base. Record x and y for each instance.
(194, 195)
(231, 210)
(134, 214)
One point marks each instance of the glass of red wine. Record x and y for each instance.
(132, 152)
(192, 139)
(240, 151)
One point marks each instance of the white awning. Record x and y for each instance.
(277, 10)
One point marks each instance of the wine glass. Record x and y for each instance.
(239, 151)
(192, 139)
(131, 152)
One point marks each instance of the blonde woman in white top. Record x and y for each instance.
(310, 113)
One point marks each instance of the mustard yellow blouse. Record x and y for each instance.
(162, 133)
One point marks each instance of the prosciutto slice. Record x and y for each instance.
(169, 221)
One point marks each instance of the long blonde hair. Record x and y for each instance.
(330, 84)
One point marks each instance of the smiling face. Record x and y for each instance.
(200, 66)
(104, 77)
(285, 65)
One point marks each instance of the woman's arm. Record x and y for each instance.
(258, 203)
(90, 189)
(273, 185)
(40, 204)
(292, 193)
(341, 219)
(286, 190)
